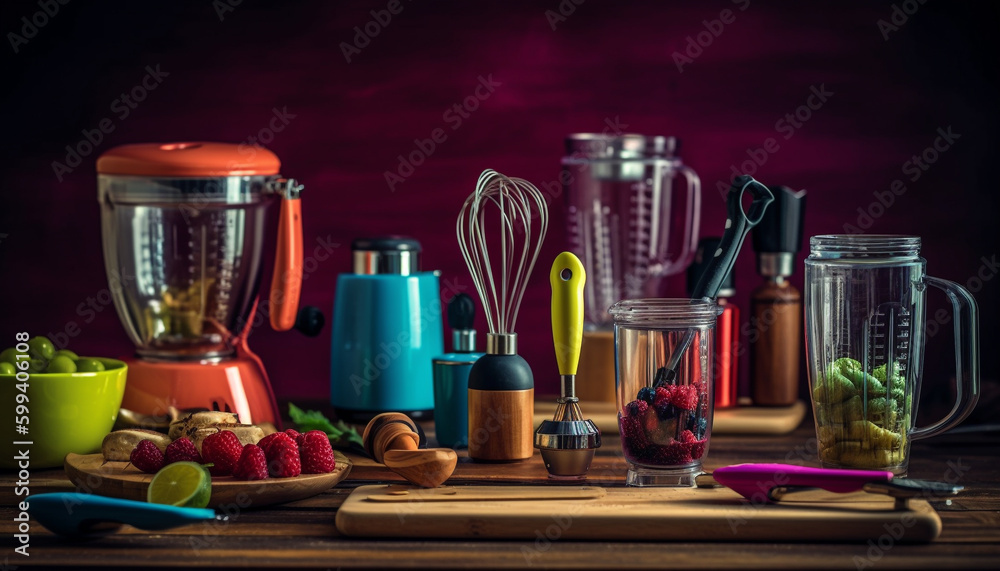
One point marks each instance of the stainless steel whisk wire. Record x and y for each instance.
(516, 200)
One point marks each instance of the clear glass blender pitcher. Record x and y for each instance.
(632, 214)
(183, 248)
(864, 317)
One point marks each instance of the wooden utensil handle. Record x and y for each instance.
(501, 425)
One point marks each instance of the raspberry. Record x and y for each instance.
(646, 394)
(662, 396)
(147, 457)
(636, 408)
(265, 442)
(293, 433)
(223, 450)
(698, 449)
(316, 453)
(687, 437)
(283, 457)
(252, 464)
(685, 397)
(634, 439)
(674, 454)
(182, 450)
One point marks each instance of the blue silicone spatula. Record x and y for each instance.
(75, 514)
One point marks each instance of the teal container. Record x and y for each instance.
(386, 329)
(451, 375)
(451, 398)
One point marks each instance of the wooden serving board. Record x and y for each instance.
(741, 420)
(407, 494)
(91, 474)
(630, 514)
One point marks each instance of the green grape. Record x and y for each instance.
(89, 365)
(41, 348)
(36, 365)
(66, 353)
(61, 364)
(9, 355)
(7, 368)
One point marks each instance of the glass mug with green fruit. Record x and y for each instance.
(864, 317)
(42, 357)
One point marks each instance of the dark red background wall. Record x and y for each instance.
(596, 64)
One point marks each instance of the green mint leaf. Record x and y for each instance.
(340, 434)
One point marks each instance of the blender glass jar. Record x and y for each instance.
(632, 214)
(864, 318)
(183, 253)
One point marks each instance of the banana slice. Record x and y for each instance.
(118, 445)
(187, 425)
(247, 433)
(131, 419)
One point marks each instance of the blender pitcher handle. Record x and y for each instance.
(966, 357)
(692, 219)
(286, 284)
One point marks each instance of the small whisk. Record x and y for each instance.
(519, 202)
(501, 386)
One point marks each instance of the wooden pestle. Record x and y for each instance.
(392, 439)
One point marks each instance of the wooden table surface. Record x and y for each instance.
(302, 534)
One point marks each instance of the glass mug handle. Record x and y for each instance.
(691, 220)
(966, 357)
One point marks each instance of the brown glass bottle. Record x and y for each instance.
(775, 338)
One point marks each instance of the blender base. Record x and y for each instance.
(663, 477)
(239, 384)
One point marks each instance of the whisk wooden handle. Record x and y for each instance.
(501, 425)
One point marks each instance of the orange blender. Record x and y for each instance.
(183, 227)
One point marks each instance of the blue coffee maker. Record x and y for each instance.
(386, 329)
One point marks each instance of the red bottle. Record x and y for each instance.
(727, 349)
(727, 328)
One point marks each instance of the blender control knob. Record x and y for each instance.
(310, 321)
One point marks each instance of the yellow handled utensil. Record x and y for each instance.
(567, 278)
(567, 442)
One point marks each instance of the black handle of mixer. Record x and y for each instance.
(738, 225)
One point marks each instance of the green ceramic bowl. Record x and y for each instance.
(66, 412)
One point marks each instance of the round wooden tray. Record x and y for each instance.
(92, 475)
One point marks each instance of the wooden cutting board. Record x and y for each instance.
(741, 420)
(624, 514)
(91, 474)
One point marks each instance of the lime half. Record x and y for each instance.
(184, 484)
